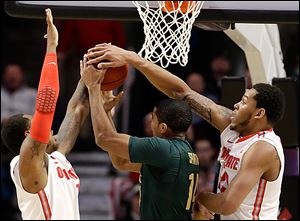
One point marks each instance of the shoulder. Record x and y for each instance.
(263, 147)
(150, 140)
(261, 153)
(150, 145)
(56, 155)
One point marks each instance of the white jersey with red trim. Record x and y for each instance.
(58, 200)
(263, 200)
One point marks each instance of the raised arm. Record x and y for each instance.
(118, 162)
(163, 80)
(77, 111)
(33, 159)
(106, 136)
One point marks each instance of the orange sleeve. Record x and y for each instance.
(46, 100)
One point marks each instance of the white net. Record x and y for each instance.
(167, 32)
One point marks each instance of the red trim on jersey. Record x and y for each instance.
(259, 198)
(241, 139)
(251, 135)
(45, 204)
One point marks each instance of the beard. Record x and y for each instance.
(239, 127)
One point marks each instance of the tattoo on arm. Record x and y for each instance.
(68, 132)
(200, 105)
(80, 96)
(216, 115)
(224, 111)
(77, 111)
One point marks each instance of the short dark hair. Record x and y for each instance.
(177, 114)
(13, 132)
(272, 99)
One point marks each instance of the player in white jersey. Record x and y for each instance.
(47, 186)
(250, 180)
(262, 202)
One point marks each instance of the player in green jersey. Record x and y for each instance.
(166, 162)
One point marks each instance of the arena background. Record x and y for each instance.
(22, 43)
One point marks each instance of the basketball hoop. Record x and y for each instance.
(167, 30)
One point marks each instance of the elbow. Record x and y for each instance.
(119, 167)
(181, 92)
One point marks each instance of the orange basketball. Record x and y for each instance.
(114, 78)
(171, 6)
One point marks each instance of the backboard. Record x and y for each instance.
(213, 11)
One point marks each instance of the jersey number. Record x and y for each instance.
(223, 182)
(192, 190)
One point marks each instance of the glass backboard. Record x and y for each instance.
(213, 11)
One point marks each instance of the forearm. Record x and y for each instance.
(48, 91)
(214, 114)
(118, 162)
(79, 97)
(211, 201)
(163, 80)
(216, 203)
(111, 121)
(101, 124)
(51, 47)
(77, 112)
(70, 129)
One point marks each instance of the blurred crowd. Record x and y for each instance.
(75, 38)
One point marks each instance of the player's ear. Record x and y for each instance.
(260, 113)
(27, 132)
(163, 127)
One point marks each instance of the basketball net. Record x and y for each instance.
(167, 30)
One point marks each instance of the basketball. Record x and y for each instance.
(171, 6)
(114, 78)
(191, 70)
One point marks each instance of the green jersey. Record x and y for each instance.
(169, 176)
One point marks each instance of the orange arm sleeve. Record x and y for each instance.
(46, 100)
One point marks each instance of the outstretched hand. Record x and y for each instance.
(107, 56)
(90, 75)
(110, 101)
(52, 33)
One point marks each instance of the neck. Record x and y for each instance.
(255, 129)
(177, 135)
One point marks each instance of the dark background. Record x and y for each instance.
(22, 43)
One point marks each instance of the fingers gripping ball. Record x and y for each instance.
(114, 77)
